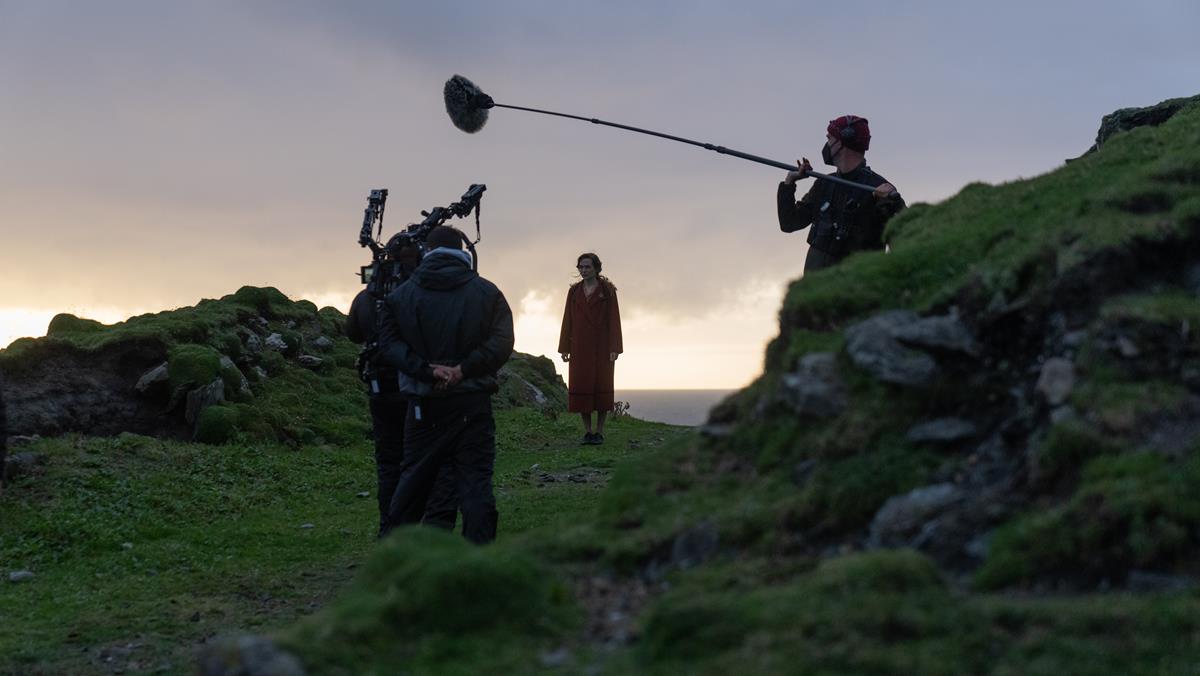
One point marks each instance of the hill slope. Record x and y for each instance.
(973, 454)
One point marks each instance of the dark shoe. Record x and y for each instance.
(597, 439)
(587, 440)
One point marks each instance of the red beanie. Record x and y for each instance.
(859, 139)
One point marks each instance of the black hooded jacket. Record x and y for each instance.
(446, 314)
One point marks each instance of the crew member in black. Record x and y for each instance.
(843, 219)
(389, 408)
(448, 331)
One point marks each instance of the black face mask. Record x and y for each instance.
(827, 155)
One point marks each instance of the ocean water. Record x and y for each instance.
(678, 407)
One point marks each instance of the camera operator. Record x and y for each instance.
(389, 408)
(448, 331)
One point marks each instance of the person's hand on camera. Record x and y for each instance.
(566, 356)
(612, 356)
(803, 167)
(885, 191)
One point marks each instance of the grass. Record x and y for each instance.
(160, 544)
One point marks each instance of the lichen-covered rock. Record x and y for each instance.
(814, 388)
(873, 346)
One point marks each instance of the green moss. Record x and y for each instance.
(424, 591)
(216, 424)
(62, 324)
(1169, 308)
(1068, 446)
(192, 365)
(846, 493)
(1130, 511)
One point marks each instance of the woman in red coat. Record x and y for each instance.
(590, 342)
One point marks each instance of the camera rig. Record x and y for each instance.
(387, 268)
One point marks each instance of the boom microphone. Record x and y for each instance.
(468, 106)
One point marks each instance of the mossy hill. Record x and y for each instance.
(976, 453)
(251, 366)
(973, 454)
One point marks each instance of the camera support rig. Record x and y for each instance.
(384, 271)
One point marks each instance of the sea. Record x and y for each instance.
(677, 407)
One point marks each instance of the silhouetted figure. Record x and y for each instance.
(448, 331)
(843, 219)
(590, 342)
(388, 410)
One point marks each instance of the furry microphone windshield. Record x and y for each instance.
(468, 107)
(466, 104)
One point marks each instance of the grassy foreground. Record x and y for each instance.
(143, 548)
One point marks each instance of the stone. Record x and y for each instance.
(203, 397)
(814, 389)
(227, 366)
(1056, 380)
(1149, 582)
(18, 576)
(322, 343)
(802, 471)
(21, 464)
(260, 372)
(902, 517)
(942, 431)
(155, 377)
(1127, 348)
(873, 347)
(695, 546)
(945, 333)
(309, 361)
(247, 656)
(253, 345)
(276, 342)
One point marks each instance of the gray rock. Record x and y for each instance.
(1074, 339)
(21, 464)
(155, 377)
(873, 346)
(1056, 381)
(322, 343)
(814, 389)
(1062, 414)
(309, 361)
(802, 471)
(227, 365)
(556, 658)
(695, 546)
(945, 333)
(253, 345)
(1127, 348)
(23, 440)
(979, 546)
(203, 397)
(261, 373)
(276, 342)
(1150, 582)
(20, 576)
(902, 517)
(247, 656)
(942, 431)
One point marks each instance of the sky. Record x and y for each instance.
(156, 153)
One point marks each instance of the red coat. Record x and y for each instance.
(591, 330)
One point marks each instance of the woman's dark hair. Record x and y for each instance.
(595, 261)
(596, 264)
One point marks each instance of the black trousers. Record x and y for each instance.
(458, 434)
(818, 260)
(388, 411)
